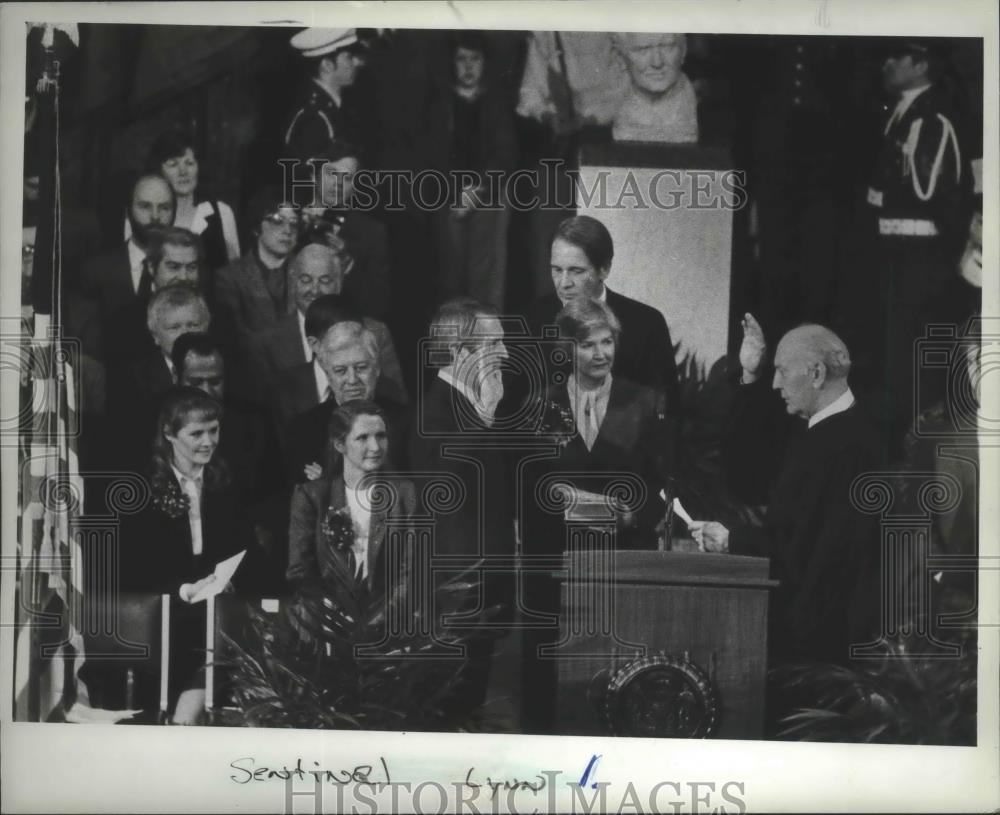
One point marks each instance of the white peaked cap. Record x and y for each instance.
(316, 42)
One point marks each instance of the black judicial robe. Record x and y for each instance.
(823, 550)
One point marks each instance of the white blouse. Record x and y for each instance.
(200, 223)
(359, 502)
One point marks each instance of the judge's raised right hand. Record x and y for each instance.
(753, 349)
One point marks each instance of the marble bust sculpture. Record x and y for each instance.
(660, 104)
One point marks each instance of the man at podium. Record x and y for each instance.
(823, 550)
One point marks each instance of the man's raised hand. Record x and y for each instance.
(753, 349)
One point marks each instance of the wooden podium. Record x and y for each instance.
(662, 644)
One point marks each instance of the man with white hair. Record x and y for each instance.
(660, 104)
(348, 354)
(172, 311)
(135, 393)
(824, 552)
(283, 356)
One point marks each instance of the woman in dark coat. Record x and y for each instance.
(608, 436)
(193, 520)
(339, 522)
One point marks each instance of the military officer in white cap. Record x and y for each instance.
(321, 118)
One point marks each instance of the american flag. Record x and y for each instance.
(49, 647)
(49, 608)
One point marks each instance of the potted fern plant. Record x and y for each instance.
(330, 659)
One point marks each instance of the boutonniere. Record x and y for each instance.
(338, 528)
(557, 421)
(171, 501)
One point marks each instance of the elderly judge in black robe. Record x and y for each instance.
(823, 549)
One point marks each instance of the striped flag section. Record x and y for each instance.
(49, 647)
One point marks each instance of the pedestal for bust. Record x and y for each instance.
(669, 209)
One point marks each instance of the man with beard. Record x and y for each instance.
(120, 281)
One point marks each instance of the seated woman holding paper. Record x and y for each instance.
(193, 521)
(338, 523)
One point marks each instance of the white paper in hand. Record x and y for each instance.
(224, 571)
(681, 513)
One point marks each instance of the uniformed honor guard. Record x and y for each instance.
(320, 119)
(919, 201)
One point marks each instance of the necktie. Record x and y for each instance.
(328, 394)
(590, 428)
(145, 284)
(352, 562)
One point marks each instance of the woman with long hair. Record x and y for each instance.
(338, 522)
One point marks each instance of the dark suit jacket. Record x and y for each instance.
(279, 350)
(307, 437)
(625, 444)
(645, 352)
(133, 404)
(156, 558)
(151, 378)
(293, 393)
(241, 291)
(482, 523)
(156, 551)
(248, 443)
(108, 279)
(369, 284)
(496, 142)
(309, 558)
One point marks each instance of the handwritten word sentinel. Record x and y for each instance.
(370, 774)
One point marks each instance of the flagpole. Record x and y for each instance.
(53, 490)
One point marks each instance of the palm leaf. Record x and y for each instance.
(900, 699)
